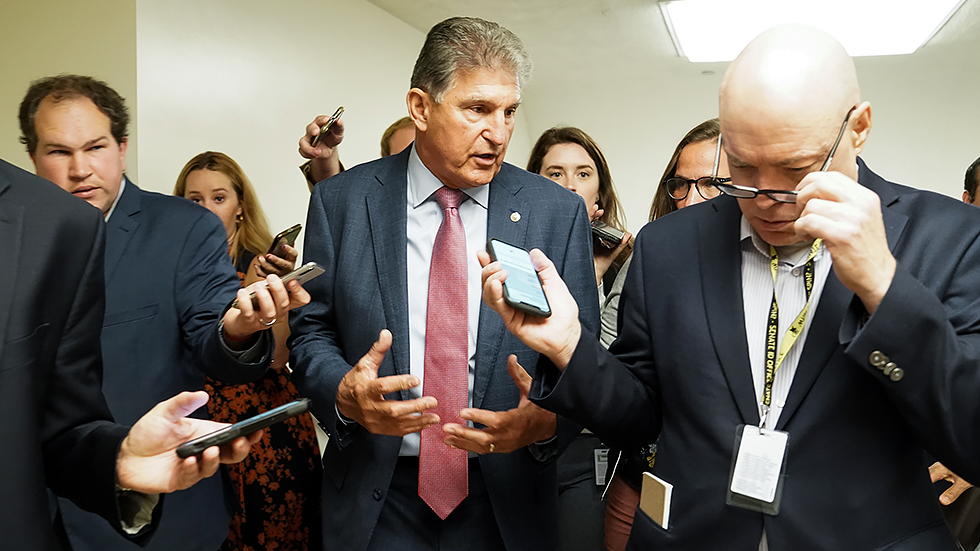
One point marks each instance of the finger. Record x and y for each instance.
(238, 449)
(466, 438)
(182, 405)
(298, 296)
(291, 253)
(414, 423)
(490, 419)
(404, 408)
(244, 301)
(372, 360)
(266, 310)
(280, 297)
(519, 375)
(208, 462)
(953, 492)
(938, 472)
(484, 258)
(393, 383)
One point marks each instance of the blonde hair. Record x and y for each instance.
(252, 233)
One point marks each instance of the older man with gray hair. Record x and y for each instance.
(433, 442)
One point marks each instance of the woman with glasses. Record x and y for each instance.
(571, 158)
(697, 165)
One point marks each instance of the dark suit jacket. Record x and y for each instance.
(356, 229)
(856, 468)
(56, 429)
(168, 282)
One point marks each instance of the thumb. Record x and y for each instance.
(182, 405)
(372, 360)
(519, 374)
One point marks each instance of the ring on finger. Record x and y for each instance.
(267, 323)
(492, 447)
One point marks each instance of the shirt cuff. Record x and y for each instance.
(251, 355)
(544, 450)
(135, 510)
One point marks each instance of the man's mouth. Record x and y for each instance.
(84, 191)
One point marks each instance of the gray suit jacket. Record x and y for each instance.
(356, 229)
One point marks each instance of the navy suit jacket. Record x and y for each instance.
(168, 281)
(856, 472)
(57, 431)
(356, 229)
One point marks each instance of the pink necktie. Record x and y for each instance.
(443, 480)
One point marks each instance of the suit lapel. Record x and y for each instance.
(388, 221)
(503, 202)
(121, 227)
(11, 235)
(822, 338)
(721, 271)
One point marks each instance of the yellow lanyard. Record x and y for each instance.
(773, 361)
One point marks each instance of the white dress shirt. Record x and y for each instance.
(424, 218)
(757, 288)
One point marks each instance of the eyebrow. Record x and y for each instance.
(590, 167)
(84, 145)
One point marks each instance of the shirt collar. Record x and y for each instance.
(422, 183)
(122, 185)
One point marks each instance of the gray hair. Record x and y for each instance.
(466, 44)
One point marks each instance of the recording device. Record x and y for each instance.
(243, 428)
(285, 237)
(302, 274)
(607, 235)
(323, 129)
(522, 288)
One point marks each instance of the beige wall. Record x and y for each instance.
(40, 38)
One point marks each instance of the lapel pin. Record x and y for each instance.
(515, 216)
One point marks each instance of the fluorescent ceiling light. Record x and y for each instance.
(717, 30)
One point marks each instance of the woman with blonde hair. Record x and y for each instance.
(278, 484)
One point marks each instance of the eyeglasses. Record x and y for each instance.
(781, 196)
(679, 188)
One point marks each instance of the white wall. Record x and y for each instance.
(246, 76)
(41, 38)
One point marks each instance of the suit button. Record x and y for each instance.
(378, 494)
(889, 367)
(878, 359)
(896, 374)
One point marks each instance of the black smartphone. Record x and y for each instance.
(243, 428)
(286, 237)
(302, 274)
(609, 236)
(326, 126)
(522, 289)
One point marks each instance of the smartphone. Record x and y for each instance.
(522, 289)
(285, 237)
(243, 428)
(323, 129)
(609, 236)
(302, 274)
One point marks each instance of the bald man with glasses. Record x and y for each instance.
(799, 345)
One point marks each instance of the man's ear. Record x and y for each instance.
(861, 126)
(966, 197)
(419, 104)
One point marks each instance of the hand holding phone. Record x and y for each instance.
(243, 428)
(608, 236)
(302, 274)
(286, 237)
(522, 288)
(326, 126)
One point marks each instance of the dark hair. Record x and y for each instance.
(403, 122)
(66, 87)
(608, 201)
(970, 182)
(663, 203)
(461, 44)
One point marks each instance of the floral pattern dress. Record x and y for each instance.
(278, 484)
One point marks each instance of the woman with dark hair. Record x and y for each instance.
(278, 484)
(686, 181)
(571, 158)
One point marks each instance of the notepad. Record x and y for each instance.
(655, 499)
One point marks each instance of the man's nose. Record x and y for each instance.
(496, 132)
(79, 167)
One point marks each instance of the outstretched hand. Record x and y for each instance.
(505, 431)
(939, 472)
(147, 461)
(360, 396)
(555, 336)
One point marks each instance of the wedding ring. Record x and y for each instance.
(492, 447)
(267, 324)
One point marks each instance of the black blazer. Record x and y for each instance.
(356, 229)
(856, 465)
(56, 429)
(168, 281)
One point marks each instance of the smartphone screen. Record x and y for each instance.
(522, 288)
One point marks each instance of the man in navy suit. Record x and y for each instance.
(169, 286)
(374, 229)
(880, 369)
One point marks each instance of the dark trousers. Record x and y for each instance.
(408, 524)
(581, 511)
